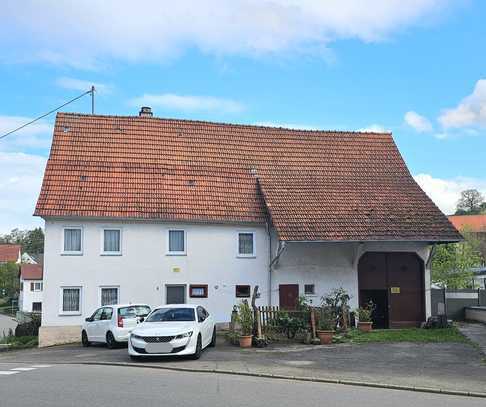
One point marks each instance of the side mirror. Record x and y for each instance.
(141, 319)
(89, 319)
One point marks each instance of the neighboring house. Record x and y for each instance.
(475, 224)
(10, 253)
(28, 259)
(143, 209)
(31, 288)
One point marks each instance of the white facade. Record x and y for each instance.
(32, 292)
(143, 269)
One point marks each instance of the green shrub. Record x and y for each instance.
(245, 318)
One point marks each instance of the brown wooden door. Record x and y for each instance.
(288, 295)
(394, 282)
(406, 289)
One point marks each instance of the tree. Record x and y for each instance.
(9, 280)
(32, 241)
(452, 263)
(470, 203)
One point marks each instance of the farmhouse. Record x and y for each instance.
(144, 209)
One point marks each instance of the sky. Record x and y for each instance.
(416, 68)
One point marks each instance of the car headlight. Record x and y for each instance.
(133, 336)
(182, 336)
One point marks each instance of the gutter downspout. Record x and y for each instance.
(273, 261)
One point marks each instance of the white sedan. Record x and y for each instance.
(179, 329)
(111, 324)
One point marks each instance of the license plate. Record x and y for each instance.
(158, 348)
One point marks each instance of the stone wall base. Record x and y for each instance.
(57, 335)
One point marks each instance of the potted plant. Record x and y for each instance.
(245, 319)
(364, 314)
(325, 325)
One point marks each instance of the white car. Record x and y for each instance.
(112, 324)
(178, 329)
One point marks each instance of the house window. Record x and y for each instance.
(198, 291)
(177, 244)
(309, 289)
(36, 286)
(111, 241)
(109, 295)
(243, 291)
(246, 244)
(72, 241)
(37, 307)
(71, 300)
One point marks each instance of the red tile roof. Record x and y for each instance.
(474, 223)
(31, 271)
(9, 252)
(317, 185)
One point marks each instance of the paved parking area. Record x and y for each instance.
(453, 366)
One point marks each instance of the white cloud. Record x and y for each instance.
(35, 136)
(82, 32)
(375, 128)
(419, 123)
(19, 188)
(82, 85)
(446, 192)
(471, 111)
(188, 103)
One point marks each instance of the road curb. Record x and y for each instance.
(296, 378)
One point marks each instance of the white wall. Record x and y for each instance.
(143, 269)
(333, 265)
(27, 297)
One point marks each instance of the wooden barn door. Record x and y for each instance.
(394, 281)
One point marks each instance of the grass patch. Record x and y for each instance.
(417, 335)
(20, 342)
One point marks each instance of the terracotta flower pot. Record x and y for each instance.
(365, 326)
(325, 337)
(245, 341)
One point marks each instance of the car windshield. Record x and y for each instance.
(171, 314)
(134, 311)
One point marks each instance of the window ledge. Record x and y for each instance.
(176, 254)
(69, 314)
(71, 253)
(110, 254)
(246, 256)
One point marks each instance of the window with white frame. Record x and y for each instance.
(36, 286)
(109, 295)
(177, 242)
(70, 300)
(73, 240)
(111, 241)
(246, 244)
(309, 289)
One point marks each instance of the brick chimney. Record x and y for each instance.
(145, 111)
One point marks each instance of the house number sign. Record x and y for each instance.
(395, 290)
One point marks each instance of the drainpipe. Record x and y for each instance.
(273, 261)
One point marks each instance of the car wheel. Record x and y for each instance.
(84, 339)
(212, 344)
(197, 354)
(110, 341)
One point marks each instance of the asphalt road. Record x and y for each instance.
(85, 386)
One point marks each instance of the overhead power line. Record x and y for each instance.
(91, 91)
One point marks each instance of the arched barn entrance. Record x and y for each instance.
(394, 281)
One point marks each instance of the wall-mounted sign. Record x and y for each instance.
(176, 269)
(395, 290)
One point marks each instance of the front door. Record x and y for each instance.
(176, 294)
(288, 296)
